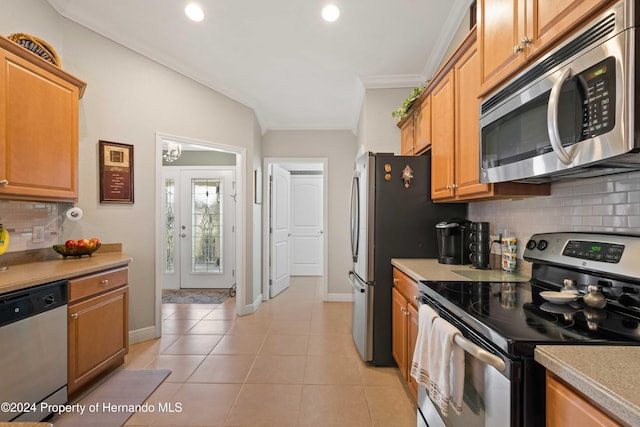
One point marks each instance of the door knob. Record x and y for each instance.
(183, 235)
(74, 316)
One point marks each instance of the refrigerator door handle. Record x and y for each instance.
(353, 280)
(355, 217)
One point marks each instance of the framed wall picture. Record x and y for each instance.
(116, 172)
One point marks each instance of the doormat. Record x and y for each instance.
(195, 296)
(114, 401)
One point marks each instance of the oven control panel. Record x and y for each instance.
(595, 251)
(608, 252)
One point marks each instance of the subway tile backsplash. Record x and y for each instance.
(602, 204)
(19, 218)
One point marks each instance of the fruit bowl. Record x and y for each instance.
(77, 251)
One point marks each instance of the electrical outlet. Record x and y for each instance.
(37, 234)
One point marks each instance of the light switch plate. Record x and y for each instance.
(38, 234)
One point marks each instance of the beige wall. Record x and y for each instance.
(339, 147)
(377, 130)
(128, 99)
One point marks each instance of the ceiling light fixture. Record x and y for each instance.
(330, 13)
(194, 12)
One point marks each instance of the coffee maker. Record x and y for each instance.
(453, 241)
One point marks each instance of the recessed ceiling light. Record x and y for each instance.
(330, 13)
(194, 12)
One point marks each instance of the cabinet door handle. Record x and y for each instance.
(517, 49)
(454, 186)
(415, 297)
(395, 281)
(74, 316)
(525, 41)
(4, 182)
(104, 282)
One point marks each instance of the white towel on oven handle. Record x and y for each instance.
(445, 367)
(419, 363)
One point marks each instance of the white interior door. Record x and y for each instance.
(306, 225)
(280, 230)
(206, 228)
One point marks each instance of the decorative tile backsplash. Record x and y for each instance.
(19, 218)
(603, 204)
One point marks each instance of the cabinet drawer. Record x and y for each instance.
(406, 286)
(96, 283)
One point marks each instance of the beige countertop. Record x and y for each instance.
(608, 375)
(23, 276)
(430, 269)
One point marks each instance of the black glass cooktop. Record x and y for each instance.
(515, 317)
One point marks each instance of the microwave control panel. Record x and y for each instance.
(594, 251)
(598, 84)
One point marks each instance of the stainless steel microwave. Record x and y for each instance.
(573, 112)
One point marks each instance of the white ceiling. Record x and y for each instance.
(279, 57)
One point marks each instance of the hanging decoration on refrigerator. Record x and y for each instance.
(407, 176)
(387, 169)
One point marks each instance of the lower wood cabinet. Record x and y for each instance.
(405, 324)
(98, 325)
(567, 407)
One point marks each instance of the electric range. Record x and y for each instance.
(507, 320)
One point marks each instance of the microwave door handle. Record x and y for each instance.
(552, 119)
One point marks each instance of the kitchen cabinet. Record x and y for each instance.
(568, 407)
(404, 311)
(39, 127)
(407, 140)
(513, 32)
(455, 147)
(98, 325)
(415, 129)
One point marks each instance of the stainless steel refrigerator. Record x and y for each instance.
(392, 216)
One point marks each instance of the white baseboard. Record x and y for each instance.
(144, 334)
(340, 297)
(251, 308)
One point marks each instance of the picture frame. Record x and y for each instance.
(257, 186)
(116, 172)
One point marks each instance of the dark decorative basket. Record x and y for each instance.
(62, 250)
(37, 46)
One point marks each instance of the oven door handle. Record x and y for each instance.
(480, 353)
(552, 119)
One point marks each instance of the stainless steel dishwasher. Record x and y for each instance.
(33, 351)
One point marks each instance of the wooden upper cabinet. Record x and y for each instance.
(443, 134)
(415, 129)
(407, 137)
(500, 30)
(512, 33)
(422, 126)
(39, 127)
(467, 106)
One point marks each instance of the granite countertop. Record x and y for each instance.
(430, 269)
(23, 276)
(608, 375)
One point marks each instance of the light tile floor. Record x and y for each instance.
(293, 363)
